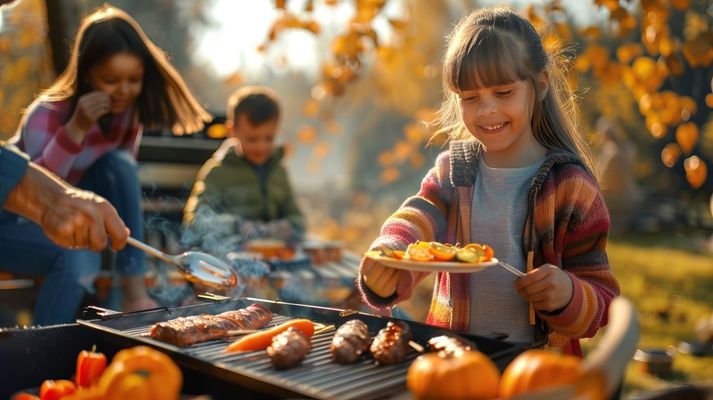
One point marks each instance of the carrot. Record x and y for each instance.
(261, 340)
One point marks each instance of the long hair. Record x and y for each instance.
(497, 46)
(164, 102)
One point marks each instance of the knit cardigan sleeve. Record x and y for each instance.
(580, 235)
(420, 217)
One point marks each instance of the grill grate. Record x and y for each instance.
(317, 376)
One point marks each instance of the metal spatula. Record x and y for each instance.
(195, 266)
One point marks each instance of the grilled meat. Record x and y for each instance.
(447, 344)
(350, 341)
(390, 345)
(288, 348)
(185, 331)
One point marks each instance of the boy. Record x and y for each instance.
(244, 182)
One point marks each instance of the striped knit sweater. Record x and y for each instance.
(570, 229)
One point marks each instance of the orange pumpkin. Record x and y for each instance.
(459, 375)
(537, 369)
(140, 373)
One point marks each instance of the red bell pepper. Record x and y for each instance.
(56, 389)
(90, 365)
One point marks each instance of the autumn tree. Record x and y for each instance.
(649, 64)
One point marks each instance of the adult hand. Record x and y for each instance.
(89, 108)
(70, 217)
(380, 279)
(548, 288)
(81, 219)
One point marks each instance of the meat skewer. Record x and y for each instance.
(288, 348)
(185, 331)
(391, 344)
(447, 344)
(350, 341)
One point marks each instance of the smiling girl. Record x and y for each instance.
(86, 129)
(517, 176)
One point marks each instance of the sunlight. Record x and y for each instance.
(236, 30)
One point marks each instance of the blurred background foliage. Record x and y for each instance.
(358, 126)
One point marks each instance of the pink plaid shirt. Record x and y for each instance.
(44, 138)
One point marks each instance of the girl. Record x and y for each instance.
(521, 181)
(86, 128)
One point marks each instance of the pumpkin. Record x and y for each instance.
(455, 375)
(141, 373)
(537, 369)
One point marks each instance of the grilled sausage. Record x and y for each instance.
(288, 348)
(350, 341)
(185, 331)
(253, 317)
(390, 345)
(448, 344)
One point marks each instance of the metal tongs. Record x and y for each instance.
(195, 266)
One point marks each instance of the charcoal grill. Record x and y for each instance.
(207, 369)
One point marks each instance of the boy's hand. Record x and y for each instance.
(380, 279)
(548, 288)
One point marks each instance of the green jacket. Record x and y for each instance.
(228, 183)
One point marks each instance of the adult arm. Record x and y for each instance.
(12, 168)
(70, 217)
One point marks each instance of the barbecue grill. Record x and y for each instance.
(50, 353)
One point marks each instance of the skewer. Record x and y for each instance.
(237, 332)
(319, 328)
(511, 268)
(416, 346)
(348, 312)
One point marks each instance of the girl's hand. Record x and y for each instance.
(548, 288)
(90, 107)
(380, 279)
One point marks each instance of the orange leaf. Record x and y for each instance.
(696, 171)
(217, 131)
(389, 175)
(592, 32)
(385, 159)
(687, 136)
(333, 127)
(709, 100)
(670, 154)
(627, 52)
(698, 52)
(320, 150)
(233, 79)
(311, 108)
(307, 134)
(680, 5)
(644, 68)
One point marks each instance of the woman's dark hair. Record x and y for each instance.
(164, 101)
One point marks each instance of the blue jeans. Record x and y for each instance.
(69, 274)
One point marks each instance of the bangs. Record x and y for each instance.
(492, 58)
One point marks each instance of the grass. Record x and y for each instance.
(670, 280)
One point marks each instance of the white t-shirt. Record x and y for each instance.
(498, 217)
